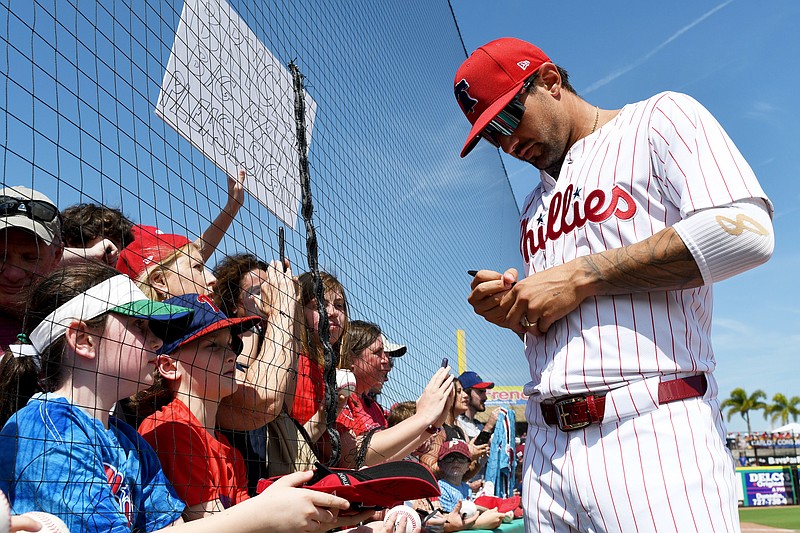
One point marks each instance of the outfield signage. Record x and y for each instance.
(767, 486)
(506, 395)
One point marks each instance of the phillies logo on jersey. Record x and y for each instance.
(568, 212)
(121, 491)
(466, 102)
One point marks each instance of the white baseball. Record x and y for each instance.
(5, 514)
(50, 523)
(412, 518)
(345, 381)
(468, 508)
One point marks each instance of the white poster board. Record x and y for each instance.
(226, 93)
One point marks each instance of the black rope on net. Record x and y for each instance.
(307, 210)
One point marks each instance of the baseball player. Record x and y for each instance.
(637, 212)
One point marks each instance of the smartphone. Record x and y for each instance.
(445, 362)
(482, 438)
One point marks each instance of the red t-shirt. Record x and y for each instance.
(310, 390)
(202, 467)
(361, 415)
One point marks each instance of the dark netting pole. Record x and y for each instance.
(331, 357)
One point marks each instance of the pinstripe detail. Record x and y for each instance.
(648, 468)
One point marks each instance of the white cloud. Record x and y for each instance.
(624, 70)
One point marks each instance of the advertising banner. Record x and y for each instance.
(767, 486)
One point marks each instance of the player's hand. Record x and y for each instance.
(435, 398)
(488, 289)
(545, 297)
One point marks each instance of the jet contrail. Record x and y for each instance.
(614, 75)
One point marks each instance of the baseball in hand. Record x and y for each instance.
(5, 514)
(50, 523)
(394, 514)
(468, 508)
(345, 381)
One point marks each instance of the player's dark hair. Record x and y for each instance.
(229, 273)
(531, 82)
(22, 377)
(82, 223)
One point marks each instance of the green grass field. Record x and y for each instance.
(781, 517)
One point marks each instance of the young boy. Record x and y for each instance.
(454, 460)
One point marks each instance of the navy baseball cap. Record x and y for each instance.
(471, 380)
(207, 318)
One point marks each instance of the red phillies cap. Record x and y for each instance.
(150, 245)
(490, 78)
(454, 446)
(380, 486)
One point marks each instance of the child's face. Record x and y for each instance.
(129, 352)
(454, 464)
(189, 275)
(208, 365)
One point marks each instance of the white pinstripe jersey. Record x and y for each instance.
(655, 163)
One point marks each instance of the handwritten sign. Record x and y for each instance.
(226, 93)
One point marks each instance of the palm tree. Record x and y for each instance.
(781, 409)
(741, 403)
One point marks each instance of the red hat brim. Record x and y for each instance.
(379, 486)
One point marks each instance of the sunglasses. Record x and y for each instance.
(37, 210)
(508, 119)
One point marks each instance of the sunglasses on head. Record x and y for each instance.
(508, 119)
(38, 210)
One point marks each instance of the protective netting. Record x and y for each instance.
(91, 94)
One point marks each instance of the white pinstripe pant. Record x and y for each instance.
(664, 471)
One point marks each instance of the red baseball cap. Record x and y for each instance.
(490, 78)
(379, 486)
(454, 446)
(150, 245)
(503, 505)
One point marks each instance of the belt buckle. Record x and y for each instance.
(562, 415)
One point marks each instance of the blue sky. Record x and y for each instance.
(400, 217)
(737, 58)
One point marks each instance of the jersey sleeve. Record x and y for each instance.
(694, 160)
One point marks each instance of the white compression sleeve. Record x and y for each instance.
(730, 239)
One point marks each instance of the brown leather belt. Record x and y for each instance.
(577, 412)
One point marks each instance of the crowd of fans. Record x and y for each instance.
(140, 389)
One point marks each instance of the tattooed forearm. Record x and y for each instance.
(660, 262)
